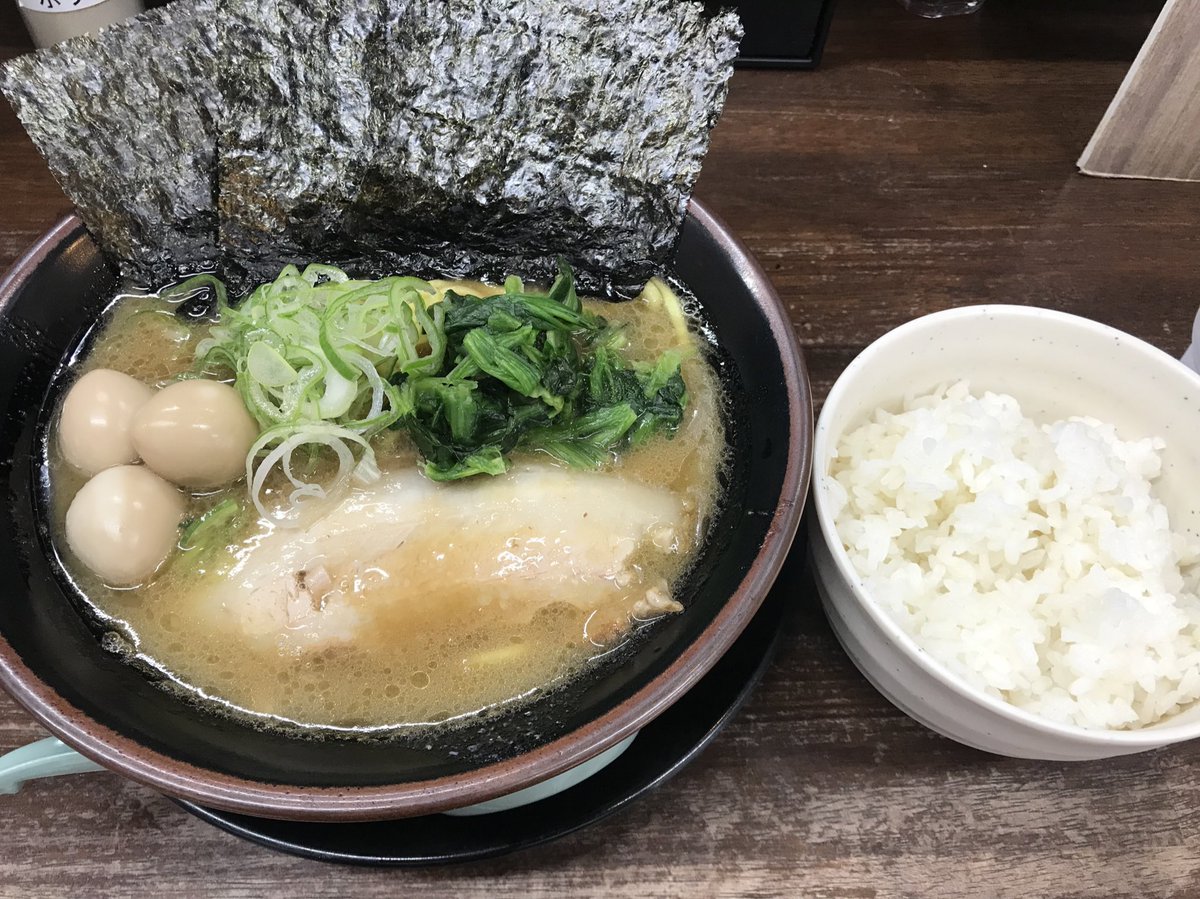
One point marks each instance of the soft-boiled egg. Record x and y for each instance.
(123, 523)
(93, 429)
(195, 433)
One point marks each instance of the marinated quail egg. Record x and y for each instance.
(195, 433)
(123, 523)
(94, 426)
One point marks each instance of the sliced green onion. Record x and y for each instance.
(280, 443)
(324, 362)
(268, 367)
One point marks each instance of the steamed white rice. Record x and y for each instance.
(1033, 561)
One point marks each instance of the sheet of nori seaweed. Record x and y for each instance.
(470, 136)
(297, 133)
(126, 120)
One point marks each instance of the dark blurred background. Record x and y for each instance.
(792, 33)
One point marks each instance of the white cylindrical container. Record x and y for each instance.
(51, 21)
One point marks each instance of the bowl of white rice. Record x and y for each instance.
(1006, 531)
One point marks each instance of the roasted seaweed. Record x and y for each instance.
(450, 136)
(296, 135)
(482, 136)
(126, 120)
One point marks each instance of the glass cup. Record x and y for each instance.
(935, 9)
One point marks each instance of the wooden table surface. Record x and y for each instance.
(925, 165)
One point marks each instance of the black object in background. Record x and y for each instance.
(784, 33)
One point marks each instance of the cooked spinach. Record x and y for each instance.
(535, 372)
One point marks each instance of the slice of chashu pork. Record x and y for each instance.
(539, 534)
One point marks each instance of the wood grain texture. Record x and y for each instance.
(926, 165)
(1152, 126)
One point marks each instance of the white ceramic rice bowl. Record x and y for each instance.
(1056, 365)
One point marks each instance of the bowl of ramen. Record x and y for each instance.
(350, 549)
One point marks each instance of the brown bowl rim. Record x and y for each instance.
(316, 803)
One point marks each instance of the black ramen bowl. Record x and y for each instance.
(52, 661)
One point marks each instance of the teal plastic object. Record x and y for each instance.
(51, 757)
(45, 758)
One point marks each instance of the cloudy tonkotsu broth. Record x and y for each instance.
(413, 602)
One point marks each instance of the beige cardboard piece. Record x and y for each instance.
(1152, 127)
